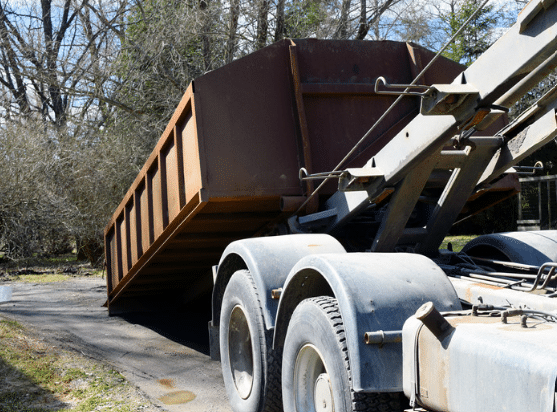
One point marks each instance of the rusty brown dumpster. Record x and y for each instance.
(227, 165)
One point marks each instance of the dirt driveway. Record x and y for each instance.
(166, 356)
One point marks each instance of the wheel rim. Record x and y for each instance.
(312, 385)
(240, 352)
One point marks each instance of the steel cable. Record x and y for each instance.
(384, 115)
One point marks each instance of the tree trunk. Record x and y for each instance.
(363, 27)
(10, 67)
(52, 48)
(342, 30)
(262, 24)
(232, 29)
(204, 5)
(377, 12)
(366, 22)
(280, 29)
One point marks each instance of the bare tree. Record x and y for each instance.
(342, 30)
(50, 56)
(370, 16)
(262, 24)
(91, 84)
(279, 25)
(232, 30)
(55, 85)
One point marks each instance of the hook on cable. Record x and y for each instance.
(406, 87)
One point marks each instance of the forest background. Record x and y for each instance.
(87, 87)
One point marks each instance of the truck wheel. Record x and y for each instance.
(250, 368)
(316, 368)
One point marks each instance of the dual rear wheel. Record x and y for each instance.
(313, 372)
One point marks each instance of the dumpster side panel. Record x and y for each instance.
(232, 151)
(246, 123)
(151, 209)
(339, 97)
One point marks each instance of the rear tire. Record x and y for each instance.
(250, 368)
(316, 374)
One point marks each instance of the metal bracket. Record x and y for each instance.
(406, 87)
(529, 170)
(382, 337)
(437, 99)
(358, 179)
(531, 11)
(304, 175)
(317, 219)
(444, 99)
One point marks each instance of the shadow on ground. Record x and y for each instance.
(18, 393)
(186, 324)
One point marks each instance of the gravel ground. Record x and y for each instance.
(164, 355)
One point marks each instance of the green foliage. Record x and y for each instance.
(476, 37)
(457, 242)
(304, 18)
(8, 327)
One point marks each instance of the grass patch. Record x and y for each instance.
(47, 269)
(44, 261)
(458, 242)
(62, 259)
(37, 377)
(40, 278)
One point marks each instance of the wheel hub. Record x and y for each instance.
(323, 394)
(240, 352)
(312, 386)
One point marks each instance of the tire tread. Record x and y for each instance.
(376, 402)
(272, 369)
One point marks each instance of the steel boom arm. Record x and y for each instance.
(513, 65)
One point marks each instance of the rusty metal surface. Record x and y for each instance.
(426, 136)
(339, 98)
(231, 153)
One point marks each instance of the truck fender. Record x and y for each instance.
(269, 260)
(531, 248)
(375, 292)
